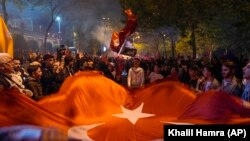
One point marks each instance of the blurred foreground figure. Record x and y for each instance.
(31, 133)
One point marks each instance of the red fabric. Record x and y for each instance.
(115, 44)
(90, 98)
(216, 105)
(118, 38)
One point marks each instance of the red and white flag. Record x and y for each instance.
(118, 38)
(90, 106)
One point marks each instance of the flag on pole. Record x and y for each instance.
(118, 38)
(6, 41)
(115, 42)
(128, 49)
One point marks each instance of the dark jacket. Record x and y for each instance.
(3, 81)
(36, 87)
(50, 81)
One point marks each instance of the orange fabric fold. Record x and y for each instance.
(6, 41)
(93, 104)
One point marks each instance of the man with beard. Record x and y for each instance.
(229, 83)
(8, 79)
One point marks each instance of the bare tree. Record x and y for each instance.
(19, 3)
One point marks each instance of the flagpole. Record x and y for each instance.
(122, 47)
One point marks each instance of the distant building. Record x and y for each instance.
(25, 27)
(25, 24)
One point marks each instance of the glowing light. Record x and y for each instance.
(59, 23)
(104, 49)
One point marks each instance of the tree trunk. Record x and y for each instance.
(49, 26)
(172, 47)
(193, 41)
(5, 14)
(164, 44)
(46, 36)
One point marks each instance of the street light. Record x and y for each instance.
(163, 35)
(106, 23)
(59, 23)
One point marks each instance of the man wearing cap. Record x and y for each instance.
(136, 77)
(7, 76)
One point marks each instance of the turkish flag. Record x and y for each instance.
(118, 38)
(86, 98)
(90, 106)
(104, 110)
(115, 43)
(6, 41)
(143, 119)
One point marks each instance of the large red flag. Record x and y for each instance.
(88, 97)
(90, 106)
(118, 38)
(6, 41)
(100, 107)
(143, 119)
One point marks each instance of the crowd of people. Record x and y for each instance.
(42, 75)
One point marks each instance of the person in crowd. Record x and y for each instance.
(155, 75)
(136, 76)
(112, 70)
(20, 71)
(50, 79)
(208, 81)
(8, 79)
(68, 66)
(246, 88)
(165, 69)
(61, 53)
(33, 81)
(174, 73)
(103, 66)
(229, 83)
(65, 71)
(17, 75)
(194, 77)
(183, 72)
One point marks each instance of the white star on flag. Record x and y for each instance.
(133, 115)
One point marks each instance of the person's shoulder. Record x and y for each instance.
(4, 84)
(140, 68)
